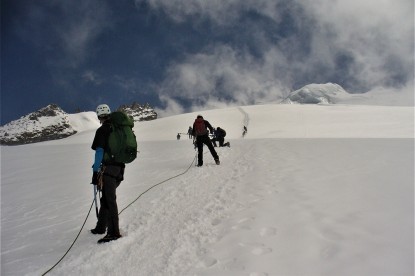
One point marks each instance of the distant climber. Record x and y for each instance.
(244, 131)
(219, 135)
(189, 132)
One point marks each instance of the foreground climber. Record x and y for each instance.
(201, 134)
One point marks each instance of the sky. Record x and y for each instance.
(181, 56)
(310, 190)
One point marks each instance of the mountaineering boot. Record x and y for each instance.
(217, 161)
(97, 232)
(109, 238)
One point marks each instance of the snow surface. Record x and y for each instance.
(310, 190)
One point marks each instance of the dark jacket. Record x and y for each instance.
(220, 133)
(101, 136)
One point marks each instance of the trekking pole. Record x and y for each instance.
(95, 199)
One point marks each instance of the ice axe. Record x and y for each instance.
(95, 199)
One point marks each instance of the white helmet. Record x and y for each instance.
(103, 110)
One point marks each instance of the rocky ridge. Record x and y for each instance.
(52, 123)
(139, 112)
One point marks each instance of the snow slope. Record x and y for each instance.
(311, 190)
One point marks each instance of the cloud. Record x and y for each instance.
(127, 84)
(65, 30)
(92, 77)
(218, 11)
(378, 35)
(172, 107)
(272, 47)
(221, 75)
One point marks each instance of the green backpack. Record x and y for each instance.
(122, 142)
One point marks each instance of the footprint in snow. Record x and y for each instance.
(250, 244)
(243, 224)
(215, 222)
(261, 251)
(256, 248)
(208, 261)
(268, 231)
(233, 264)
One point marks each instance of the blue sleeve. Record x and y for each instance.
(99, 155)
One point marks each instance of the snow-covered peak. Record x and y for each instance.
(51, 123)
(48, 123)
(317, 94)
(139, 112)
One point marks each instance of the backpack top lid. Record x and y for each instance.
(121, 119)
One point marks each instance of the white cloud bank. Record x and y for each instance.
(361, 45)
(64, 29)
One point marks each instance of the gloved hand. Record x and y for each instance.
(95, 178)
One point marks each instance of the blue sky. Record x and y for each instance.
(182, 56)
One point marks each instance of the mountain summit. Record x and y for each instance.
(328, 93)
(52, 123)
(139, 112)
(48, 123)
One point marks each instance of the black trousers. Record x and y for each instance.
(204, 139)
(220, 140)
(108, 211)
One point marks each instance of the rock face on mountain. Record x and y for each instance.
(52, 123)
(48, 123)
(139, 112)
(328, 93)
